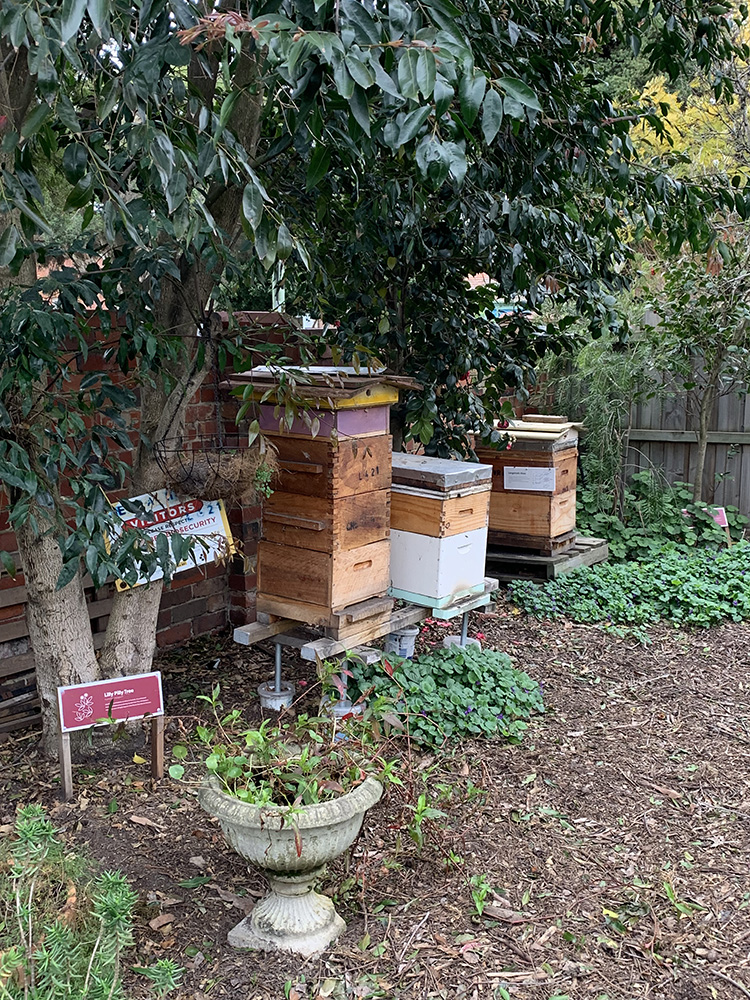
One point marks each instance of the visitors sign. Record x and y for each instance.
(163, 512)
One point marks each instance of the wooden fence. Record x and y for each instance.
(663, 438)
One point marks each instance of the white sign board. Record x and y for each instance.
(529, 478)
(166, 513)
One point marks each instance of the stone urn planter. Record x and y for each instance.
(292, 853)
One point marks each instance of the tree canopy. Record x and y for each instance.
(444, 136)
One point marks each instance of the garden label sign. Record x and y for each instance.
(166, 513)
(529, 478)
(119, 699)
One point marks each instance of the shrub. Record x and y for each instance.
(701, 588)
(453, 693)
(63, 933)
(654, 515)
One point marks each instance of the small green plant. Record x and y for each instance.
(262, 480)
(481, 888)
(701, 589)
(654, 515)
(64, 932)
(299, 762)
(454, 693)
(423, 814)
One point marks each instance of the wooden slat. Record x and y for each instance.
(689, 437)
(11, 665)
(325, 648)
(14, 595)
(22, 721)
(247, 635)
(13, 630)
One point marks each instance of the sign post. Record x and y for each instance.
(117, 699)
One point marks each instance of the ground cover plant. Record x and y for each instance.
(700, 589)
(454, 693)
(653, 515)
(64, 931)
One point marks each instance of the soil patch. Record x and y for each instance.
(609, 850)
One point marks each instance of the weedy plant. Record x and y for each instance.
(64, 933)
(699, 589)
(298, 762)
(423, 814)
(454, 693)
(655, 516)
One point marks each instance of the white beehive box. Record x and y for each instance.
(437, 571)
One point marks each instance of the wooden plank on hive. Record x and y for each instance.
(324, 524)
(325, 648)
(247, 635)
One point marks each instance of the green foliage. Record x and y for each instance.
(422, 815)
(481, 888)
(699, 589)
(454, 693)
(294, 763)
(64, 932)
(655, 515)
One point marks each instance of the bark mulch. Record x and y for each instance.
(610, 848)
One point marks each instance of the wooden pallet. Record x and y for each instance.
(291, 633)
(340, 625)
(509, 565)
(535, 545)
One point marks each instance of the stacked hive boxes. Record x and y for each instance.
(439, 511)
(533, 501)
(325, 530)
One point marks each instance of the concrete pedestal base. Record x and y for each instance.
(276, 700)
(292, 917)
(455, 640)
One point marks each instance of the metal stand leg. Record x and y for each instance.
(464, 627)
(277, 664)
(276, 694)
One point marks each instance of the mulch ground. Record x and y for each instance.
(610, 848)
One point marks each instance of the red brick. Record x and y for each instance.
(173, 635)
(241, 581)
(174, 597)
(207, 623)
(188, 577)
(242, 600)
(240, 616)
(189, 611)
(164, 620)
(216, 602)
(210, 586)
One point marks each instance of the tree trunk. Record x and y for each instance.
(59, 626)
(704, 419)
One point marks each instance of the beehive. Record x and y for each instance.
(533, 502)
(325, 542)
(439, 511)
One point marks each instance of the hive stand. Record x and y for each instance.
(313, 646)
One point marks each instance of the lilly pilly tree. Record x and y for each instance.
(167, 126)
(536, 183)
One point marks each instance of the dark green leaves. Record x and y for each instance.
(318, 167)
(72, 15)
(8, 244)
(471, 91)
(252, 205)
(520, 92)
(82, 193)
(492, 115)
(35, 119)
(74, 162)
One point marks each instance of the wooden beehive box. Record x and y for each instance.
(325, 544)
(533, 503)
(439, 511)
